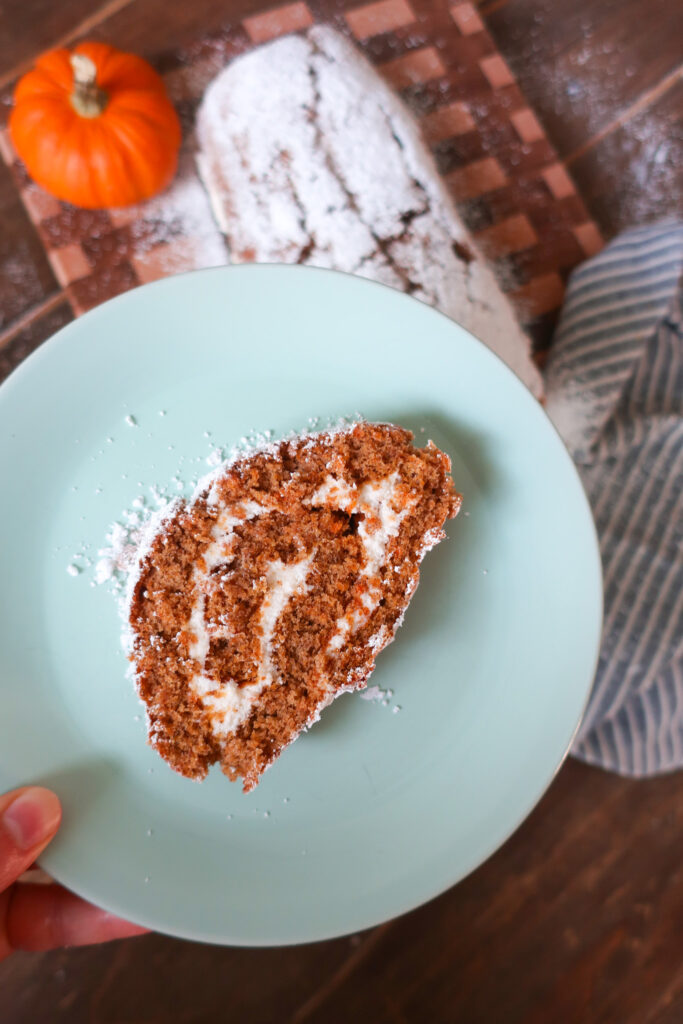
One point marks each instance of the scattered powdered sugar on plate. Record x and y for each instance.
(373, 693)
(379, 696)
(117, 557)
(215, 458)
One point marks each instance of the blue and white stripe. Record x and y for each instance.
(615, 392)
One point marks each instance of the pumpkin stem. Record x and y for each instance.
(87, 99)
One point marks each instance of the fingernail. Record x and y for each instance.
(32, 817)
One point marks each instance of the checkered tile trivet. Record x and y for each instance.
(512, 191)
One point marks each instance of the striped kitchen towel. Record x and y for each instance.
(615, 392)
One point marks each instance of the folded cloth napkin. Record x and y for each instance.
(615, 393)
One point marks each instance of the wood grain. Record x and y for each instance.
(566, 923)
(158, 979)
(581, 63)
(27, 29)
(19, 343)
(173, 22)
(633, 175)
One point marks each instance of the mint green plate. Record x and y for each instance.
(374, 811)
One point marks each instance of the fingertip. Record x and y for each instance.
(33, 817)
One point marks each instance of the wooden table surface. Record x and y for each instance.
(579, 917)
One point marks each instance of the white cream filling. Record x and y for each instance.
(227, 703)
(381, 521)
(382, 508)
(284, 581)
(217, 552)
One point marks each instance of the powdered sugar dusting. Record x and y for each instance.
(176, 229)
(574, 411)
(266, 442)
(376, 695)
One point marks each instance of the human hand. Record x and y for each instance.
(38, 917)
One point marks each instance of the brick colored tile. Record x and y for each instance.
(384, 16)
(467, 19)
(417, 66)
(69, 263)
(124, 215)
(73, 224)
(102, 284)
(459, 151)
(496, 70)
(540, 295)
(39, 203)
(527, 125)
(589, 238)
(476, 179)
(455, 119)
(170, 258)
(510, 235)
(558, 181)
(278, 22)
(6, 148)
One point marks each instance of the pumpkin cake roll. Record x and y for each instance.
(309, 157)
(272, 591)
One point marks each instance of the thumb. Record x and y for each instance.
(29, 818)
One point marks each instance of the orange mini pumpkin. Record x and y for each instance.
(95, 126)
